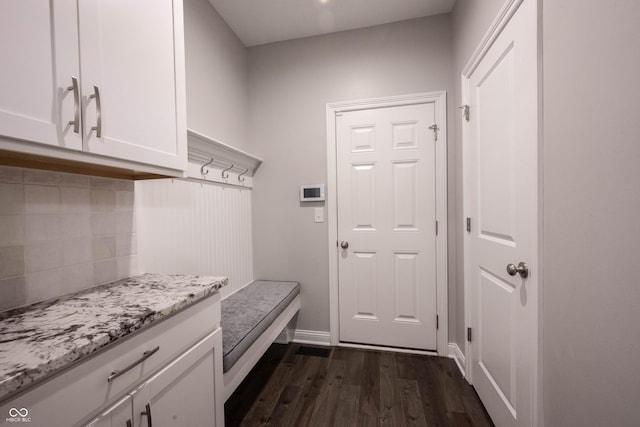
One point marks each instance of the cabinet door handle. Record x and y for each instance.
(147, 354)
(147, 412)
(76, 104)
(98, 127)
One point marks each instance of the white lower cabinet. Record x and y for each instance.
(173, 365)
(182, 394)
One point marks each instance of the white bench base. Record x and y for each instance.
(247, 361)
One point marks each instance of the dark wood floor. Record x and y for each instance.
(352, 387)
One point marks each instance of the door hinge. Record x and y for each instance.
(434, 127)
(436, 228)
(469, 334)
(465, 111)
(437, 322)
(468, 225)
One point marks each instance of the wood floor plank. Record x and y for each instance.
(369, 382)
(312, 383)
(391, 404)
(324, 410)
(348, 403)
(411, 403)
(261, 410)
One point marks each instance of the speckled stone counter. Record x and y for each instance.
(40, 339)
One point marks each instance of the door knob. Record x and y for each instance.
(344, 244)
(522, 269)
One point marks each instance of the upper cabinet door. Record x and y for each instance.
(39, 52)
(132, 64)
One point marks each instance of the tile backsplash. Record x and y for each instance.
(61, 233)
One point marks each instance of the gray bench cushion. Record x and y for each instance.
(249, 312)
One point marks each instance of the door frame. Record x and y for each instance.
(439, 99)
(500, 22)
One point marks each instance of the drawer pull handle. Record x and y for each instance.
(147, 354)
(147, 412)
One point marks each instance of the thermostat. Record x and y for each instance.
(312, 193)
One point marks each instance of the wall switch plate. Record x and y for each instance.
(318, 214)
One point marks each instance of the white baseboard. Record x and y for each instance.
(456, 354)
(311, 337)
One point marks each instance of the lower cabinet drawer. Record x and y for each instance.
(78, 392)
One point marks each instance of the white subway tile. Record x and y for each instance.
(43, 256)
(124, 201)
(105, 271)
(11, 261)
(77, 251)
(75, 225)
(103, 200)
(99, 182)
(74, 180)
(10, 174)
(75, 200)
(103, 224)
(11, 230)
(104, 248)
(12, 293)
(40, 199)
(77, 277)
(36, 176)
(40, 228)
(43, 285)
(125, 222)
(124, 185)
(12, 198)
(125, 244)
(127, 266)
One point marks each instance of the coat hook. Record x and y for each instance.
(240, 177)
(202, 171)
(225, 175)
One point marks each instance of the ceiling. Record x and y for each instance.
(264, 21)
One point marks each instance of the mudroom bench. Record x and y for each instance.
(252, 318)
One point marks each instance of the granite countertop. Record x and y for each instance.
(40, 339)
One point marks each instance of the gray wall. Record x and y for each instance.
(470, 20)
(591, 302)
(216, 74)
(289, 85)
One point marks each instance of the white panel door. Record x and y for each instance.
(501, 143)
(386, 214)
(129, 67)
(39, 52)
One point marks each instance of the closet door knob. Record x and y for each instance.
(522, 269)
(344, 244)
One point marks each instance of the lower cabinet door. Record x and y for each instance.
(118, 415)
(183, 394)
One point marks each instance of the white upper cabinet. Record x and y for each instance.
(128, 59)
(39, 52)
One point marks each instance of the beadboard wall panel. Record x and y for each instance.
(195, 228)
